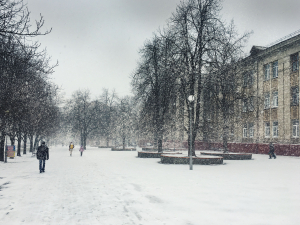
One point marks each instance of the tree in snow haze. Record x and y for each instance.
(125, 120)
(154, 85)
(225, 78)
(195, 25)
(82, 115)
(109, 115)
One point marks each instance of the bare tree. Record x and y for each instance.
(15, 20)
(195, 24)
(154, 84)
(108, 118)
(125, 120)
(82, 115)
(226, 73)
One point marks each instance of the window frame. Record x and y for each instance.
(267, 128)
(275, 129)
(251, 104)
(245, 79)
(245, 131)
(295, 95)
(275, 99)
(266, 72)
(251, 130)
(245, 105)
(275, 69)
(267, 101)
(294, 62)
(295, 124)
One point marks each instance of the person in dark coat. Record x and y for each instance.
(272, 151)
(42, 154)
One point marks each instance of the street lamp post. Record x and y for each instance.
(5, 149)
(191, 100)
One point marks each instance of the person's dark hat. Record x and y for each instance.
(43, 142)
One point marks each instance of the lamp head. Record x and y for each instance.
(191, 98)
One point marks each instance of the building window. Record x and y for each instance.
(295, 62)
(267, 72)
(251, 130)
(245, 79)
(267, 100)
(251, 78)
(232, 130)
(296, 128)
(275, 99)
(248, 78)
(275, 69)
(275, 129)
(251, 104)
(295, 96)
(245, 131)
(267, 129)
(244, 105)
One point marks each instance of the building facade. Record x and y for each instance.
(271, 110)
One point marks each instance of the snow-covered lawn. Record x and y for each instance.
(106, 187)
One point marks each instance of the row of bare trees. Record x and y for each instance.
(105, 118)
(28, 100)
(195, 54)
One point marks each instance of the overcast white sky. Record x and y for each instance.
(96, 42)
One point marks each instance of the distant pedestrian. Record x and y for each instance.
(81, 150)
(272, 151)
(71, 147)
(42, 154)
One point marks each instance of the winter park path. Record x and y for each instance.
(105, 187)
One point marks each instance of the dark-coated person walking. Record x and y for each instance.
(272, 151)
(42, 154)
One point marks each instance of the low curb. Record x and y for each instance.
(154, 154)
(169, 159)
(121, 149)
(230, 156)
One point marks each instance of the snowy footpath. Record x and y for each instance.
(115, 188)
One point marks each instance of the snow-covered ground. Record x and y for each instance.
(106, 187)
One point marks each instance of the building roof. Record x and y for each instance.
(256, 49)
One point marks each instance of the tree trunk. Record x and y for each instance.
(225, 128)
(107, 141)
(19, 144)
(123, 143)
(36, 142)
(2, 150)
(84, 141)
(12, 140)
(155, 139)
(25, 142)
(31, 143)
(225, 137)
(159, 145)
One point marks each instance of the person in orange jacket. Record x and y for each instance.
(71, 147)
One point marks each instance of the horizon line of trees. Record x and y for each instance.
(107, 118)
